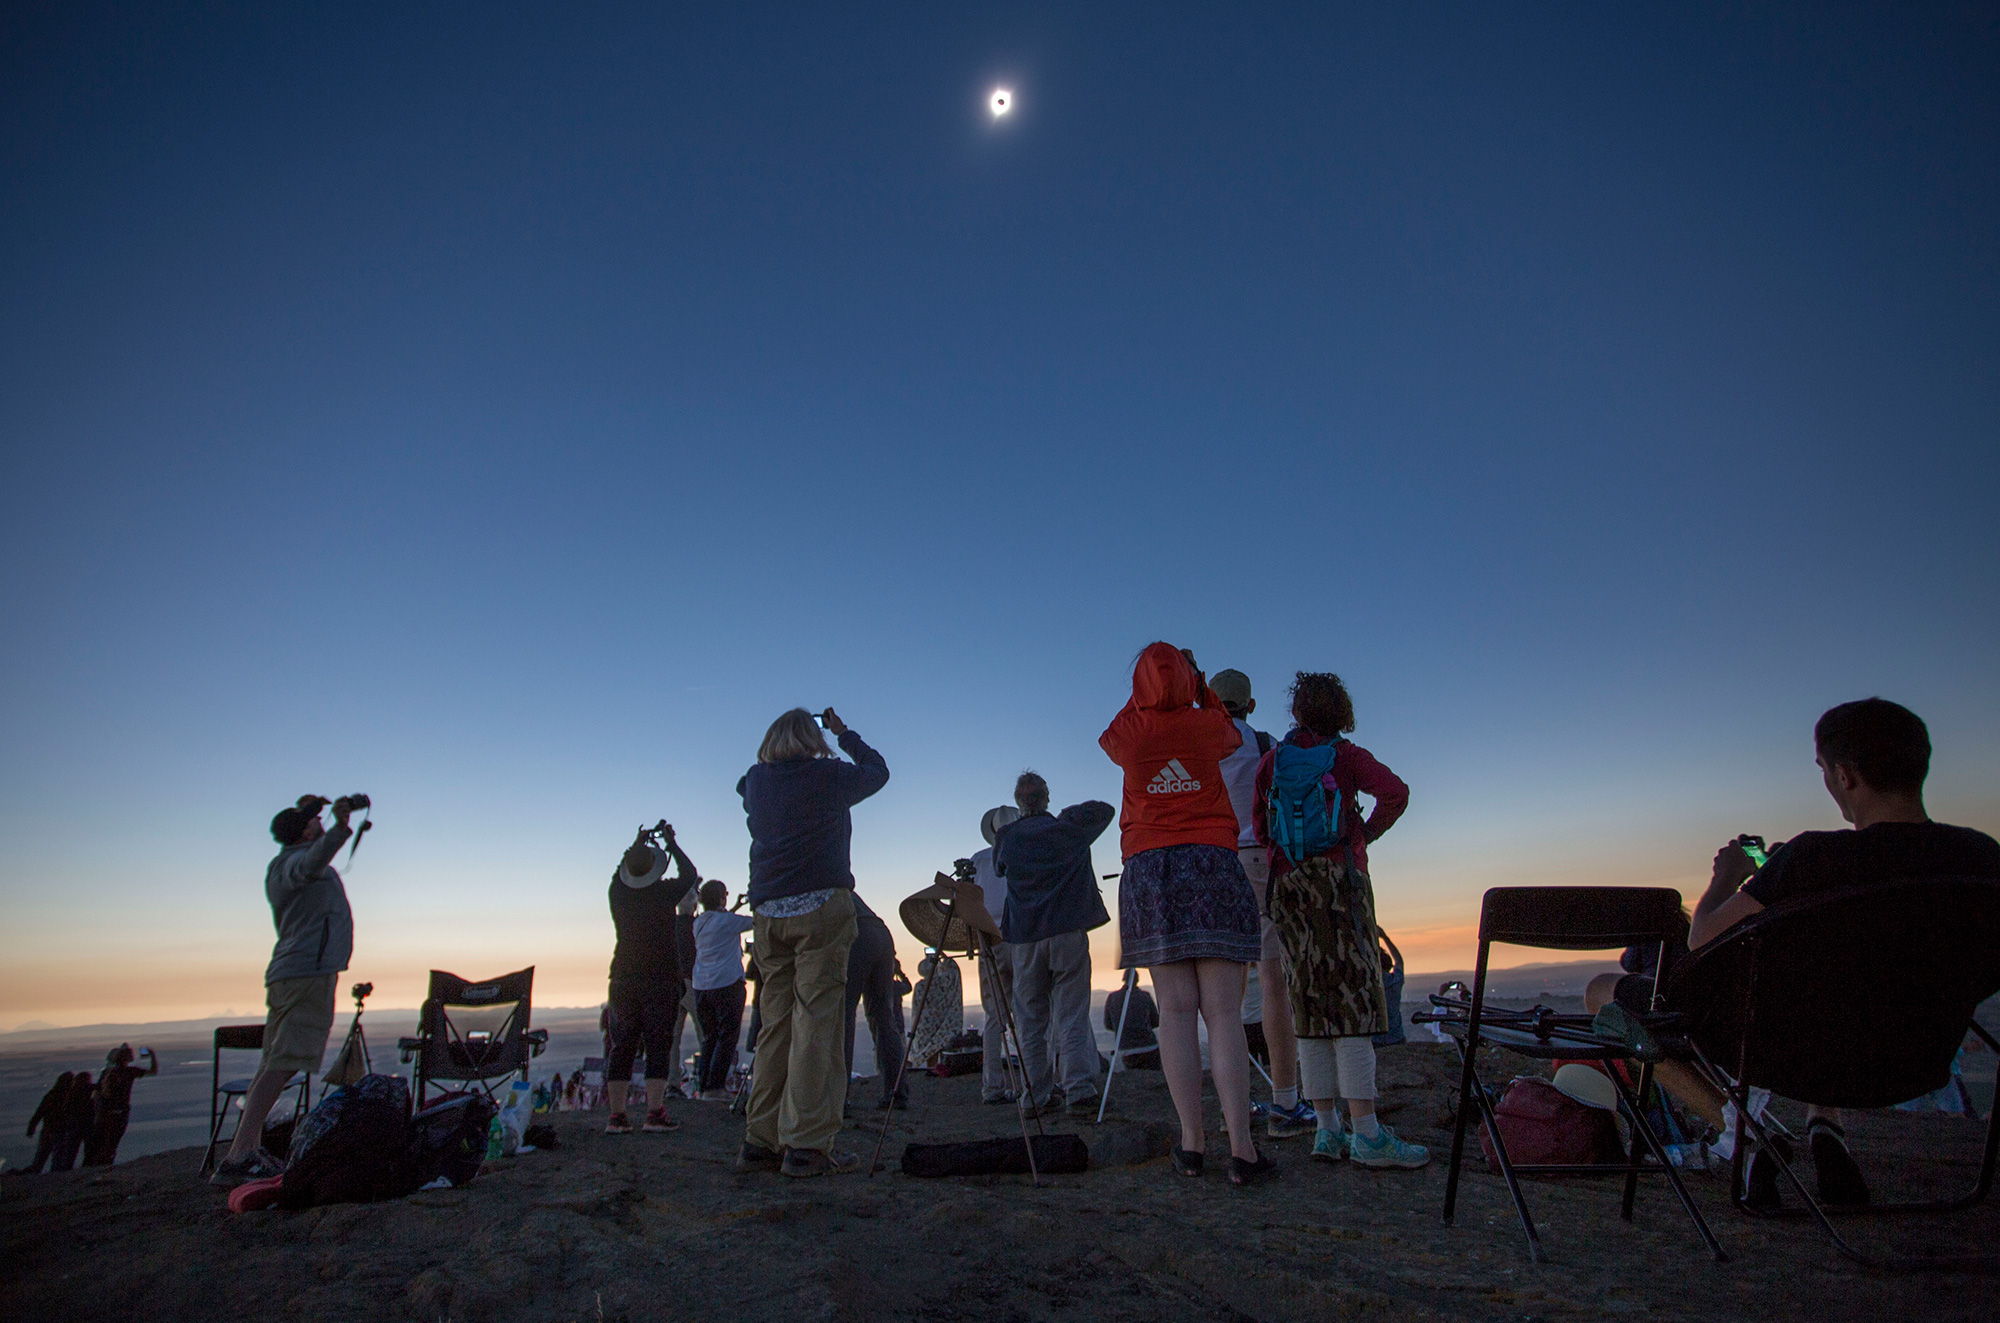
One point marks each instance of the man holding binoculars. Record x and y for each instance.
(315, 939)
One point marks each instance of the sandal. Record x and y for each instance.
(1186, 1163)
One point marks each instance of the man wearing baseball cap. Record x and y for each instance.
(315, 940)
(1239, 770)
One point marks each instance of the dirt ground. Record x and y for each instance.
(653, 1227)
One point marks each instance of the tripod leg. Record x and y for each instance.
(916, 1022)
(1007, 1018)
(1118, 1043)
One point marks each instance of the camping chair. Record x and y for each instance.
(1819, 1000)
(474, 1033)
(1565, 919)
(1118, 1053)
(224, 1093)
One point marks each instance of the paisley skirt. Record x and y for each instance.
(1186, 902)
(1325, 912)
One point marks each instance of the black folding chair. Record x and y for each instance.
(1857, 998)
(1565, 919)
(474, 1033)
(224, 1093)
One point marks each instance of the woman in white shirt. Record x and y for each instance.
(718, 986)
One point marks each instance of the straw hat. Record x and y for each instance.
(924, 915)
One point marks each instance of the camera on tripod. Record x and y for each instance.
(964, 870)
(360, 992)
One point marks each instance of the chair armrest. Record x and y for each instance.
(538, 1040)
(408, 1045)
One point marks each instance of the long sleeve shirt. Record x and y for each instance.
(309, 908)
(800, 828)
(1051, 885)
(1354, 769)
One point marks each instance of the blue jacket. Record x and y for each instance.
(1051, 886)
(799, 824)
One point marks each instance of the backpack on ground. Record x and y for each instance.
(450, 1139)
(1304, 820)
(1541, 1124)
(352, 1148)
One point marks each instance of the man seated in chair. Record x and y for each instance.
(1873, 756)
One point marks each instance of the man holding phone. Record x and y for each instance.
(1873, 757)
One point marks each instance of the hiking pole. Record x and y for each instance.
(1118, 1043)
(916, 1023)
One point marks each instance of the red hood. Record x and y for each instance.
(1162, 681)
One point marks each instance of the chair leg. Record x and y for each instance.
(1467, 1082)
(1492, 1123)
(1643, 1130)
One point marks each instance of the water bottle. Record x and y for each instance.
(493, 1139)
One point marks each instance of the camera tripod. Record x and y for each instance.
(353, 1049)
(982, 951)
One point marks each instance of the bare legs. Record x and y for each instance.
(1212, 990)
(656, 1094)
(1677, 1079)
(1279, 1034)
(265, 1090)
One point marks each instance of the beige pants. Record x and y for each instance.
(798, 1085)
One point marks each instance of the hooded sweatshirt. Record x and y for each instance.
(1172, 753)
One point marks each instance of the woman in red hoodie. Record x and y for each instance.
(1185, 909)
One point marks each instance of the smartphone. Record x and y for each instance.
(819, 719)
(1754, 847)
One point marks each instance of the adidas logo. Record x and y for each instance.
(1172, 780)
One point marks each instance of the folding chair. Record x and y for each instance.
(1857, 998)
(1119, 1053)
(474, 1033)
(1564, 919)
(224, 1093)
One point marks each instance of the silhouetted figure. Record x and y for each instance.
(50, 1115)
(75, 1122)
(113, 1104)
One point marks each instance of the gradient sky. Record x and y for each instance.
(509, 410)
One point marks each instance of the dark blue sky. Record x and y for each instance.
(510, 410)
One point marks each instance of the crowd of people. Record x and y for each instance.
(1245, 892)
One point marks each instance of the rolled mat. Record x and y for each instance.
(1058, 1154)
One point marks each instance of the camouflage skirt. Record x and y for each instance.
(1325, 913)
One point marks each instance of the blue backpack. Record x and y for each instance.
(1303, 819)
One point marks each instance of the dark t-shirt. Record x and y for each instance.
(644, 919)
(1817, 861)
(114, 1086)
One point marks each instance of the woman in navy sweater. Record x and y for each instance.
(797, 799)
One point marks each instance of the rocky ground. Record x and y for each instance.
(646, 1227)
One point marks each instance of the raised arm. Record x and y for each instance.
(868, 774)
(1725, 904)
(1085, 822)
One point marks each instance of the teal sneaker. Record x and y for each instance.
(1329, 1146)
(1388, 1151)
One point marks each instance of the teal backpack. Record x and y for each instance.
(1303, 819)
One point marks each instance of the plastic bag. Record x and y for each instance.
(516, 1115)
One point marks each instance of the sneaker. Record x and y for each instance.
(1387, 1151)
(1285, 1122)
(1249, 1173)
(755, 1157)
(811, 1162)
(618, 1125)
(998, 1099)
(657, 1122)
(901, 1104)
(676, 1091)
(259, 1166)
(1084, 1104)
(1329, 1146)
(1840, 1180)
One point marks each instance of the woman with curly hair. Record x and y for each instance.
(1323, 903)
(1185, 908)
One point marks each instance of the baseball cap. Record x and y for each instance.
(1231, 687)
